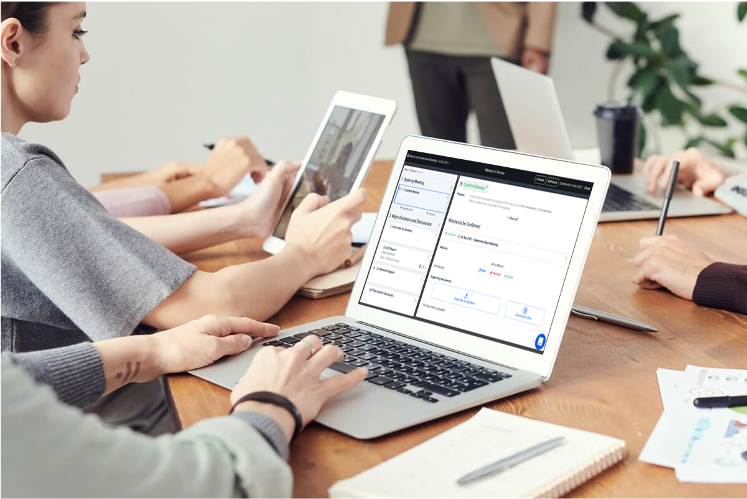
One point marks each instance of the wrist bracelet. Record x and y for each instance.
(278, 400)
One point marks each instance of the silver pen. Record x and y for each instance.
(617, 320)
(511, 461)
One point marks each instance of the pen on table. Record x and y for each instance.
(508, 462)
(668, 197)
(268, 161)
(617, 320)
(717, 402)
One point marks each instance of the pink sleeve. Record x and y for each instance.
(134, 201)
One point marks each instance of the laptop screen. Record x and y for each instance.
(477, 248)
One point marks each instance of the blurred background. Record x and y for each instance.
(164, 78)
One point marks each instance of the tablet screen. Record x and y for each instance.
(337, 158)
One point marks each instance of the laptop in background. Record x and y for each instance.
(538, 127)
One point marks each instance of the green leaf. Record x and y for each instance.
(739, 113)
(694, 142)
(644, 81)
(588, 9)
(701, 81)
(679, 72)
(641, 29)
(745, 138)
(712, 119)
(743, 73)
(670, 41)
(613, 53)
(641, 138)
(636, 49)
(724, 149)
(670, 107)
(741, 11)
(628, 10)
(664, 22)
(649, 103)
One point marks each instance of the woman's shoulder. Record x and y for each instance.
(17, 153)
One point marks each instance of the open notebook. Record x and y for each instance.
(432, 468)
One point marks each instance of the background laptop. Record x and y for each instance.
(537, 124)
(465, 288)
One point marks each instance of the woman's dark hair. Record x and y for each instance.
(31, 15)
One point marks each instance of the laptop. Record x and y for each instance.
(538, 127)
(464, 290)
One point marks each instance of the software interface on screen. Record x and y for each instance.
(337, 158)
(477, 248)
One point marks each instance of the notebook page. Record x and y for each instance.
(432, 468)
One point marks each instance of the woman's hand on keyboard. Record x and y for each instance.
(295, 374)
(697, 172)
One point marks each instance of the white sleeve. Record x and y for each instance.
(50, 449)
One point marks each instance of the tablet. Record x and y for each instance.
(340, 154)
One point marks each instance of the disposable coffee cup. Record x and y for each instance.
(617, 132)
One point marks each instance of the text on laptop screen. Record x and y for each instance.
(478, 248)
(337, 158)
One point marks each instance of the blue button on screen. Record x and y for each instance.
(539, 343)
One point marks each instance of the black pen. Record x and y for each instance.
(268, 161)
(668, 197)
(715, 402)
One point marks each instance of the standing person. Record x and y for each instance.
(449, 46)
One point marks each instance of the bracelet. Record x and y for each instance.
(278, 400)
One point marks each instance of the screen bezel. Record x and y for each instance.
(385, 107)
(472, 345)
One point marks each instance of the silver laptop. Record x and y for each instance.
(465, 287)
(538, 127)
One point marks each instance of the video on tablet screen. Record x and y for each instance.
(337, 158)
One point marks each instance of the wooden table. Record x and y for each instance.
(604, 379)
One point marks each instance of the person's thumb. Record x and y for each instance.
(706, 185)
(233, 344)
(311, 203)
(352, 201)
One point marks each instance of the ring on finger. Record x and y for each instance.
(311, 348)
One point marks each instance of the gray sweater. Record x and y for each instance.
(70, 271)
(52, 449)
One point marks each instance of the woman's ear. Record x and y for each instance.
(12, 41)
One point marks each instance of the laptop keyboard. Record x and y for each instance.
(618, 199)
(400, 366)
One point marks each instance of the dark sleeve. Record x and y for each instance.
(75, 373)
(722, 285)
(102, 274)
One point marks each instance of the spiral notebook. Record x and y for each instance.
(432, 468)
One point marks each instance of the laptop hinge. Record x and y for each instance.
(436, 345)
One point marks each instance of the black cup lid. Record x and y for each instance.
(616, 111)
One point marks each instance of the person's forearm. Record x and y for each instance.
(130, 359)
(256, 290)
(75, 373)
(81, 374)
(186, 192)
(134, 180)
(722, 285)
(185, 232)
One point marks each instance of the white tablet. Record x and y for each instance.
(340, 154)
